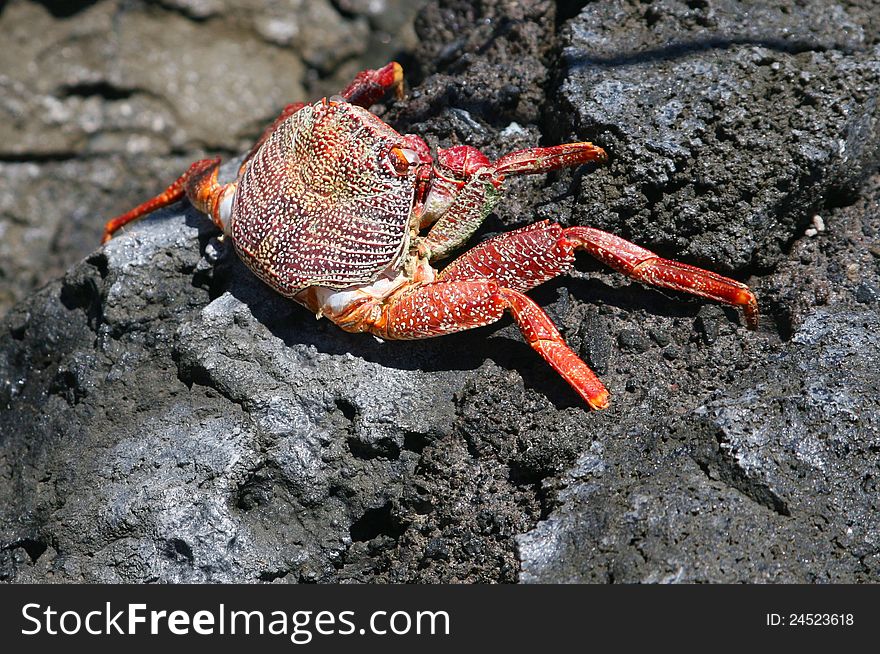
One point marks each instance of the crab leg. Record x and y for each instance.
(524, 258)
(542, 160)
(447, 307)
(645, 266)
(540, 332)
(199, 183)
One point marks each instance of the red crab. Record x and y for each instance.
(335, 209)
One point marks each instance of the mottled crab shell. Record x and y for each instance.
(323, 202)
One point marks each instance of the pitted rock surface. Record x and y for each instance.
(166, 417)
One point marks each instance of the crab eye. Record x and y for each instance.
(411, 155)
(401, 159)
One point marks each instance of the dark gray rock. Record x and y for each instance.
(729, 123)
(166, 417)
(768, 477)
(776, 481)
(162, 435)
(174, 424)
(866, 294)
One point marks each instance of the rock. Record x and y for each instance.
(776, 481)
(50, 212)
(135, 82)
(630, 339)
(866, 294)
(165, 417)
(185, 438)
(815, 272)
(502, 43)
(728, 123)
(196, 481)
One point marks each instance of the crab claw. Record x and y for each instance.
(370, 86)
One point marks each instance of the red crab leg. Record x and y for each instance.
(649, 268)
(540, 332)
(542, 160)
(444, 308)
(527, 257)
(199, 183)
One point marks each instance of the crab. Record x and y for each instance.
(335, 209)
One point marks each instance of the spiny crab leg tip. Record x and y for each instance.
(751, 313)
(588, 151)
(598, 153)
(108, 235)
(749, 304)
(600, 401)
